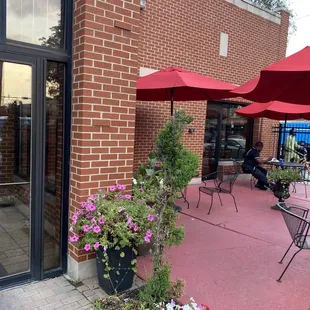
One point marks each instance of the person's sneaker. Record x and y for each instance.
(261, 187)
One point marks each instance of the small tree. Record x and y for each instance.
(169, 169)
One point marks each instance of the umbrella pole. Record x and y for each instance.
(172, 95)
(283, 140)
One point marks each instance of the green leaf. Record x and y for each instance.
(117, 248)
(122, 255)
(117, 272)
(135, 251)
(133, 262)
(106, 276)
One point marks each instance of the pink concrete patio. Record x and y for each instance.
(230, 260)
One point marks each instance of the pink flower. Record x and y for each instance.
(120, 187)
(87, 247)
(79, 213)
(121, 196)
(74, 238)
(96, 229)
(101, 221)
(130, 225)
(86, 228)
(127, 196)
(112, 188)
(74, 219)
(89, 216)
(92, 197)
(83, 204)
(149, 234)
(96, 245)
(150, 217)
(121, 209)
(90, 207)
(135, 228)
(147, 239)
(105, 248)
(129, 219)
(141, 189)
(157, 217)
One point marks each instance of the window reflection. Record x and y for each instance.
(53, 164)
(36, 21)
(226, 135)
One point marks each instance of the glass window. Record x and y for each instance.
(36, 21)
(53, 164)
(15, 167)
(227, 135)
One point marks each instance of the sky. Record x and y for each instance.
(302, 20)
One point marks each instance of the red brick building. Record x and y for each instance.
(95, 131)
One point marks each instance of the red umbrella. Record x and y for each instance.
(176, 84)
(276, 110)
(287, 80)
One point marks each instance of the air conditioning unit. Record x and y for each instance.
(142, 4)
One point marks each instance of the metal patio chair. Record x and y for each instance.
(238, 169)
(298, 225)
(220, 187)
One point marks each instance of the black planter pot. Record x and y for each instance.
(121, 274)
(281, 191)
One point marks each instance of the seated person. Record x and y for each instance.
(252, 164)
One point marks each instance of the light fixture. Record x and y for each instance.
(191, 130)
(142, 4)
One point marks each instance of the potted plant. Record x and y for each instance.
(114, 225)
(281, 180)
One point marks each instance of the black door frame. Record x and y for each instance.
(38, 56)
(219, 126)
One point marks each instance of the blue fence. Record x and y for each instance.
(302, 134)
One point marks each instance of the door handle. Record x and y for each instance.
(18, 183)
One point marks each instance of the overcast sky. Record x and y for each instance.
(302, 20)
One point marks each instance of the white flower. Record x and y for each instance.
(161, 183)
(135, 182)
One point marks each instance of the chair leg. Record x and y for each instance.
(306, 194)
(235, 202)
(220, 199)
(294, 188)
(198, 199)
(211, 203)
(281, 261)
(279, 280)
(251, 182)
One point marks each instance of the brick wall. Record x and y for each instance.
(187, 34)
(105, 69)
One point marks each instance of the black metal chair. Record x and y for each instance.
(298, 225)
(238, 169)
(220, 187)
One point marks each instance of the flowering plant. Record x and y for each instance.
(112, 220)
(192, 305)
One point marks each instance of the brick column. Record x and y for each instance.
(105, 69)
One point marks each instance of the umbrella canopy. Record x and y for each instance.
(176, 84)
(287, 80)
(276, 110)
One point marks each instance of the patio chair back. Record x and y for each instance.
(228, 184)
(296, 221)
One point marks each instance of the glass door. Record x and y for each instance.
(17, 104)
(211, 149)
(15, 167)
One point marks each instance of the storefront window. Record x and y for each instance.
(36, 21)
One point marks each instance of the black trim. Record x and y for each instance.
(37, 56)
(15, 280)
(2, 21)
